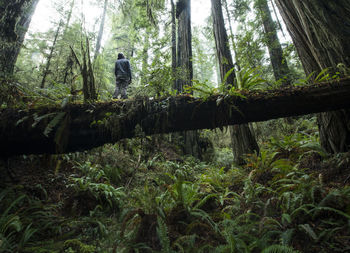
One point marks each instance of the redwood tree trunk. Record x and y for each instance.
(278, 61)
(185, 67)
(173, 42)
(320, 32)
(100, 32)
(237, 61)
(184, 44)
(242, 139)
(15, 17)
(146, 45)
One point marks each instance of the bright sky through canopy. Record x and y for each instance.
(46, 14)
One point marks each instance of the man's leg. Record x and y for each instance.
(117, 91)
(124, 85)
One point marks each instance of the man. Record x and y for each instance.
(122, 72)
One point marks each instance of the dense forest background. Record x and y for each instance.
(140, 182)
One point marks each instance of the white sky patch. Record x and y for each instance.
(46, 15)
(200, 11)
(43, 17)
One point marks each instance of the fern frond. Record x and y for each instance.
(309, 231)
(162, 233)
(279, 249)
(54, 122)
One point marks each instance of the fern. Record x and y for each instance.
(322, 76)
(286, 236)
(279, 249)
(248, 78)
(38, 118)
(204, 89)
(309, 231)
(53, 123)
(186, 243)
(319, 209)
(162, 233)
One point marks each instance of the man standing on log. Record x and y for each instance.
(122, 72)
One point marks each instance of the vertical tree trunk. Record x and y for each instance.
(320, 32)
(100, 32)
(237, 62)
(243, 141)
(15, 17)
(48, 63)
(68, 60)
(277, 18)
(278, 61)
(184, 65)
(146, 45)
(184, 46)
(173, 43)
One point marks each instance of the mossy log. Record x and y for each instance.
(80, 127)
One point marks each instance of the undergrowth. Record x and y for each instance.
(117, 201)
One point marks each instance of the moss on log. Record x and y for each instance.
(80, 127)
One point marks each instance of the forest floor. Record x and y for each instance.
(143, 195)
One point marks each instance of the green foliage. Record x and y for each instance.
(245, 79)
(162, 233)
(95, 184)
(77, 246)
(201, 89)
(325, 75)
(23, 220)
(249, 78)
(279, 249)
(268, 205)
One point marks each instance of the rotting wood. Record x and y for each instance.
(86, 126)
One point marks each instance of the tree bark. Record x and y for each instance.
(15, 17)
(320, 32)
(278, 61)
(237, 61)
(173, 43)
(185, 68)
(100, 32)
(184, 46)
(145, 66)
(242, 140)
(83, 126)
(48, 63)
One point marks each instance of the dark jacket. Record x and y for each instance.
(122, 69)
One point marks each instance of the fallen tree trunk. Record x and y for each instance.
(80, 127)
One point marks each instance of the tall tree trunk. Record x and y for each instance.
(243, 141)
(237, 62)
(278, 61)
(320, 32)
(184, 46)
(68, 59)
(100, 32)
(277, 18)
(15, 17)
(48, 63)
(173, 42)
(184, 65)
(146, 45)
